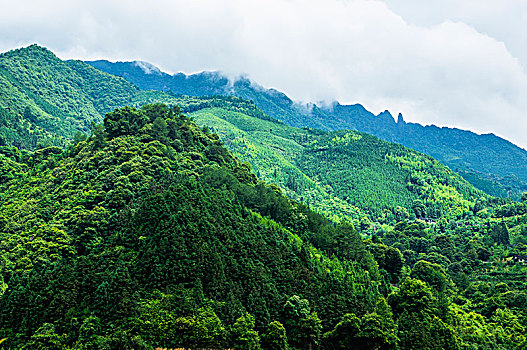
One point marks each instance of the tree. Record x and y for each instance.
(79, 137)
(419, 208)
(124, 121)
(413, 296)
(348, 244)
(158, 110)
(417, 311)
(389, 258)
(500, 233)
(375, 330)
(45, 338)
(505, 319)
(433, 274)
(98, 135)
(275, 338)
(89, 333)
(295, 311)
(3, 285)
(243, 335)
(419, 330)
(209, 331)
(344, 334)
(160, 129)
(309, 332)
(378, 330)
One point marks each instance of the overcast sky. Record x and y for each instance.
(450, 62)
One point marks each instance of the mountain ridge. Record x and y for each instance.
(462, 150)
(249, 132)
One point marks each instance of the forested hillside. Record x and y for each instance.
(342, 174)
(490, 163)
(45, 101)
(146, 231)
(151, 234)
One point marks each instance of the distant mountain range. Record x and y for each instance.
(490, 163)
(46, 101)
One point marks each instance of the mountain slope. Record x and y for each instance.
(45, 101)
(45, 98)
(487, 161)
(151, 234)
(371, 184)
(158, 220)
(343, 174)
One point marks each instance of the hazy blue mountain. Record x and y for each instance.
(489, 162)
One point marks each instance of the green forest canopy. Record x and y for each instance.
(151, 234)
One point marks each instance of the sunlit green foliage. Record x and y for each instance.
(45, 101)
(346, 175)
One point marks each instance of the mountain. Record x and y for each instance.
(152, 223)
(42, 101)
(490, 163)
(343, 174)
(45, 101)
(149, 233)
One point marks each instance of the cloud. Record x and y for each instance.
(147, 67)
(503, 20)
(449, 64)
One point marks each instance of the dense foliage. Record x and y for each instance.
(151, 234)
(152, 225)
(343, 174)
(372, 185)
(490, 163)
(45, 101)
(146, 231)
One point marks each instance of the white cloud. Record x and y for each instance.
(446, 62)
(503, 20)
